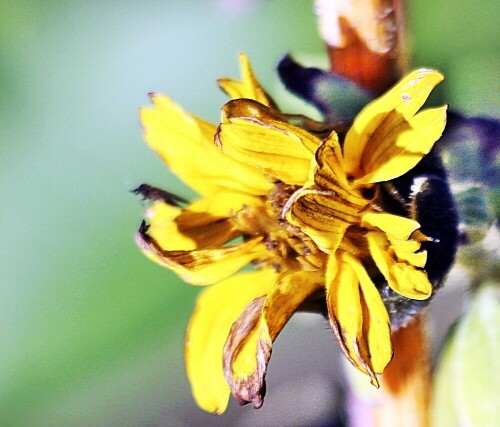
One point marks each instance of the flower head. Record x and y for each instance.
(307, 207)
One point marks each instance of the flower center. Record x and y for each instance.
(289, 248)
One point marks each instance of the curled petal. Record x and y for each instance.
(400, 103)
(248, 87)
(277, 148)
(249, 344)
(203, 266)
(330, 169)
(186, 144)
(321, 215)
(217, 309)
(403, 278)
(245, 352)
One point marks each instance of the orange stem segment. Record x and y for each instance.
(364, 40)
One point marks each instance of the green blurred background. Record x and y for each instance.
(91, 332)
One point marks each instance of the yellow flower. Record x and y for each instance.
(306, 212)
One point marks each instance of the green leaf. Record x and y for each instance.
(467, 380)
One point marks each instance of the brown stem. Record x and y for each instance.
(364, 40)
(405, 383)
(403, 397)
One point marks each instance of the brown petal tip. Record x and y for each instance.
(142, 238)
(251, 388)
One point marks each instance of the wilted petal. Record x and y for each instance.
(203, 266)
(249, 345)
(403, 278)
(277, 148)
(397, 149)
(320, 215)
(248, 87)
(186, 144)
(217, 309)
(245, 352)
(400, 102)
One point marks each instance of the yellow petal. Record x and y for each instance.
(406, 250)
(398, 152)
(203, 224)
(329, 160)
(344, 308)
(321, 215)
(404, 245)
(277, 148)
(410, 282)
(224, 204)
(163, 228)
(248, 349)
(405, 99)
(186, 145)
(252, 110)
(403, 278)
(217, 309)
(397, 226)
(203, 266)
(376, 323)
(248, 87)
(378, 246)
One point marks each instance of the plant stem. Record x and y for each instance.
(403, 398)
(365, 40)
(405, 384)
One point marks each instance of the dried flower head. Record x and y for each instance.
(307, 207)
